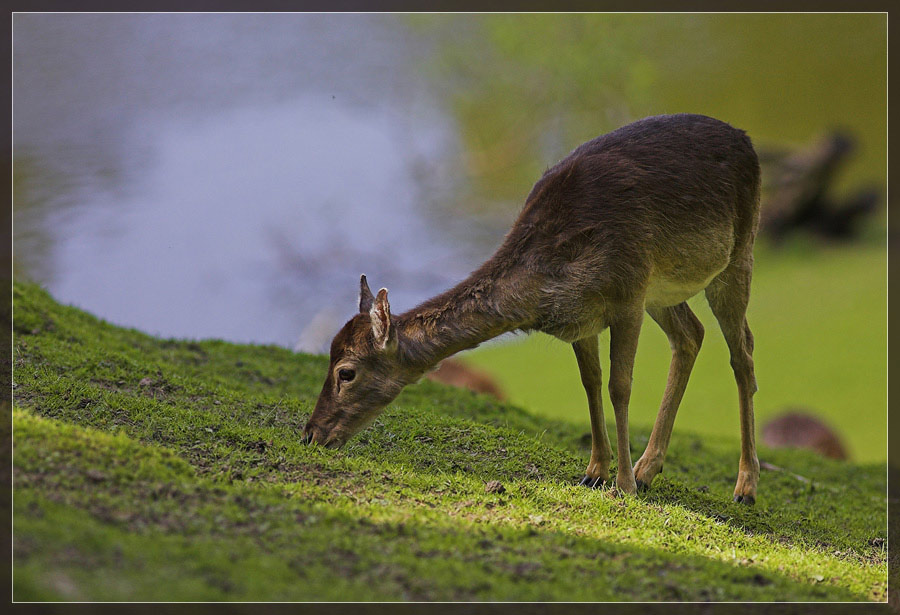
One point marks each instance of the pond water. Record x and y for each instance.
(230, 176)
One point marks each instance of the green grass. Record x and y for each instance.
(148, 469)
(819, 316)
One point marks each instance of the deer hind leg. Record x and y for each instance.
(685, 335)
(588, 356)
(624, 333)
(728, 295)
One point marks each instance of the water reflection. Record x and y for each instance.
(229, 176)
(246, 224)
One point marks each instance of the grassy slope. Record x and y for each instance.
(819, 316)
(148, 469)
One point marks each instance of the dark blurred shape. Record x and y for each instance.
(796, 186)
(458, 374)
(797, 428)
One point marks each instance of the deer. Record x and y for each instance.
(637, 220)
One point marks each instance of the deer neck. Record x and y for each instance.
(485, 305)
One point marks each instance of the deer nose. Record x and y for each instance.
(311, 433)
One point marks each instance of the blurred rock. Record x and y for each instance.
(796, 187)
(798, 428)
(458, 374)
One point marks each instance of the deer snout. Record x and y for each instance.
(323, 437)
(313, 433)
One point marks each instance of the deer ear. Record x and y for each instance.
(382, 328)
(365, 295)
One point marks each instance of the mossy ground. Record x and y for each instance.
(148, 469)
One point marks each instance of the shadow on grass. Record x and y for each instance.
(68, 553)
(834, 506)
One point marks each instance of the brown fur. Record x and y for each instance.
(638, 219)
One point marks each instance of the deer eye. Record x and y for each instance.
(346, 375)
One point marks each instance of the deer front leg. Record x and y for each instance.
(588, 356)
(624, 333)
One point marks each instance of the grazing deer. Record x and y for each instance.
(638, 219)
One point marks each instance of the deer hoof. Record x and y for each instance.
(749, 500)
(641, 485)
(593, 483)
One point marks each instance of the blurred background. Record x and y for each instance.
(231, 175)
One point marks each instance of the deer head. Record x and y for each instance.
(364, 375)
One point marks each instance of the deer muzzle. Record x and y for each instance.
(315, 434)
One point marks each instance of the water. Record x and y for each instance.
(230, 176)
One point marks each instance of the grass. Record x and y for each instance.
(149, 469)
(819, 316)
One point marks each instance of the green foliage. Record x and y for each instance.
(526, 89)
(150, 469)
